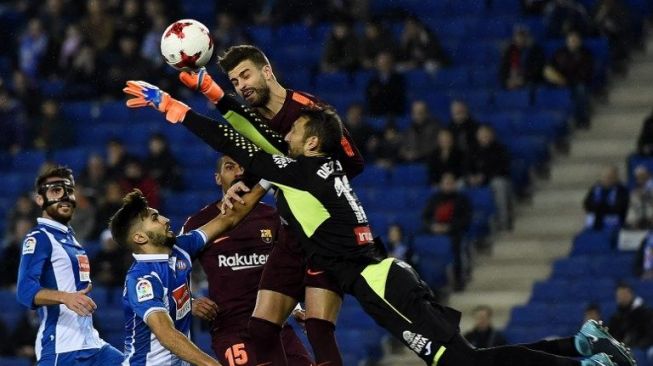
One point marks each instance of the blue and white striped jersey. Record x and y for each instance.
(159, 282)
(53, 259)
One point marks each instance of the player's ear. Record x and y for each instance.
(218, 179)
(267, 72)
(312, 143)
(39, 200)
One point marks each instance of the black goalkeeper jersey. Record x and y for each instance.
(315, 196)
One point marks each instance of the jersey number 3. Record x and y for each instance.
(236, 355)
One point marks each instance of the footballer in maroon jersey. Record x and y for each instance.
(233, 264)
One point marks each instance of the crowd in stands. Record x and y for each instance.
(83, 50)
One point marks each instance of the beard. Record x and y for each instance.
(59, 213)
(262, 94)
(162, 240)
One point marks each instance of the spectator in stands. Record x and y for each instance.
(23, 208)
(99, 23)
(86, 76)
(640, 207)
(110, 203)
(13, 124)
(645, 139)
(613, 21)
(32, 48)
(117, 158)
(397, 246)
(420, 48)
(463, 126)
(488, 164)
(10, 257)
(563, 16)
(93, 177)
(26, 92)
(376, 39)
(84, 221)
(419, 137)
(52, 130)
(592, 312)
(23, 338)
(71, 46)
(128, 65)
(533, 7)
(385, 147)
(342, 50)
(633, 321)
(361, 132)
(446, 157)
(150, 46)
(606, 202)
(386, 90)
(449, 212)
(522, 62)
(135, 176)
(483, 335)
(110, 264)
(161, 164)
(228, 33)
(131, 23)
(572, 67)
(644, 258)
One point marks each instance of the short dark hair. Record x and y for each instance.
(58, 171)
(324, 122)
(485, 308)
(237, 54)
(134, 206)
(593, 307)
(625, 285)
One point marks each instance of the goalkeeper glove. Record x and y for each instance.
(150, 95)
(203, 82)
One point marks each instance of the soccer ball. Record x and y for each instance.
(186, 45)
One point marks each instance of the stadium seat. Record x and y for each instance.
(568, 268)
(592, 242)
(75, 158)
(28, 161)
(372, 176)
(567, 314)
(200, 179)
(419, 81)
(550, 291)
(433, 246)
(333, 82)
(553, 98)
(409, 175)
(452, 78)
(529, 315)
(514, 99)
(15, 361)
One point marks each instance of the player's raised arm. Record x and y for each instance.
(176, 342)
(240, 116)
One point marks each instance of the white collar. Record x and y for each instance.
(54, 224)
(150, 257)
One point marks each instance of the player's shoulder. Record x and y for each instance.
(304, 98)
(35, 238)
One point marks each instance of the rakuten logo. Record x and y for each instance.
(237, 262)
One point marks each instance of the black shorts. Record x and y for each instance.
(288, 272)
(392, 293)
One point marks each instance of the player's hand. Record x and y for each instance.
(79, 302)
(147, 94)
(233, 195)
(205, 308)
(201, 80)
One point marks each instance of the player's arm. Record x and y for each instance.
(240, 116)
(222, 137)
(36, 250)
(175, 341)
(232, 217)
(350, 157)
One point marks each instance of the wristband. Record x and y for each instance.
(265, 184)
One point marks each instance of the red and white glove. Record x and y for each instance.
(147, 94)
(202, 81)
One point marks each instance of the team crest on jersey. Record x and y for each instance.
(282, 161)
(266, 236)
(181, 265)
(29, 245)
(144, 290)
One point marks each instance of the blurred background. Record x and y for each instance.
(508, 146)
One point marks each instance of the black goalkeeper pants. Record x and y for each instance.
(394, 296)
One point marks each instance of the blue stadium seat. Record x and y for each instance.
(456, 28)
(333, 82)
(533, 149)
(502, 123)
(484, 77)
(617, 266)
(419, 81)
(372, 176)
(495, 28)
(645, 290)
(530, 334)
(567, 314)
(17, 183)
(200, 179)
(15, 361)
(592, 242)
(568, 268)
(452, 78)
(550, 291)
(433, 246)
(196, 155)
(533, 314)
(592, 289)
(514, 99)
(409, 175)
(553, 98)
(260, 34)
(28, 161)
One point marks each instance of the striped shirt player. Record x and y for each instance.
(159, 282)
(54, 277)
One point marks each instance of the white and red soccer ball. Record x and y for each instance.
(186, 44)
